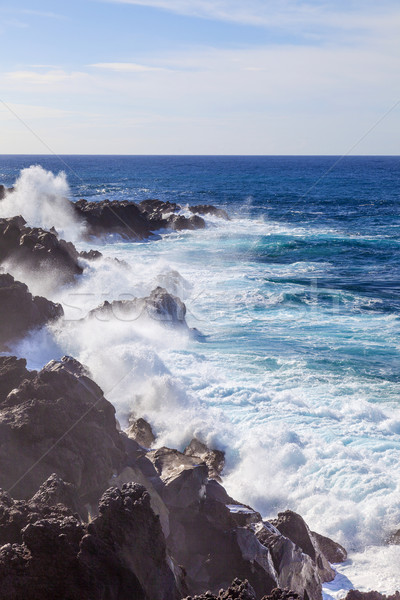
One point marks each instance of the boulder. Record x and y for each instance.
(90, 255)
(159, 306)
(208, 209)
(21, 311)
(294, 569)
(214, 459)
(58, 421)
(141, 431)
(293, 526)
(333, 551)
(38, 249)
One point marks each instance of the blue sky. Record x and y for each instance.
(200, 77)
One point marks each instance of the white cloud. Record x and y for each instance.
(30, 111)
(284, 14)
(55, 76)
(126, 67)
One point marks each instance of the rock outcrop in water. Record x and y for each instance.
(47, 552)
(21, 312)
(138, 221)
(208, 209)
(38, 250)
(159, 306)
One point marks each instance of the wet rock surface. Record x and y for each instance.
(38, 249)
(141, 431)
(138, 221)
(214, 459)
(160, 306)
(21, 312)
(113, 217)
(208, 209)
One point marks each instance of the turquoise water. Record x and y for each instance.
(297, 297)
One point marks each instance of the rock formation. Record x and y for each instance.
(38, 249)
(159, 306)
(47, 552)
(138, 221)
(56, 425)
(57, 421)
(21, 312)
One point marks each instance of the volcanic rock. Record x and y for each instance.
(208, 209)
(333, 552)
(58, 421)
(141, 431)
(214, 459)
(238, 590)
(117, 217)
(120, 554)
(159, 305)
(38, 249)
(21, 311)
(90, 255)
(293, 526)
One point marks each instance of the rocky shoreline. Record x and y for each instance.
(91, 512)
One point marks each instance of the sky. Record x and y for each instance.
(200, 77)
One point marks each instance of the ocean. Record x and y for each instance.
(296, 373)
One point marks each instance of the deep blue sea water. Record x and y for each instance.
(298, 298)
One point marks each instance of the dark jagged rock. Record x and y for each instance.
(293, 526)
(137, 541)
(121, 554)
(238, 590)
(141, 431)
(117, 217)
(48, 502)
(58, 422)
(214, 459)
(356, 595)
(159, 306)
(294, 569)
(90, 255)
(38, 249)
(134, 221)
(279, 594)
(204, 536)
(4, 191)
(157, 211)
(12, 372)
(333, 552)
(208, 209)
(21, 311)
(56, 491)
